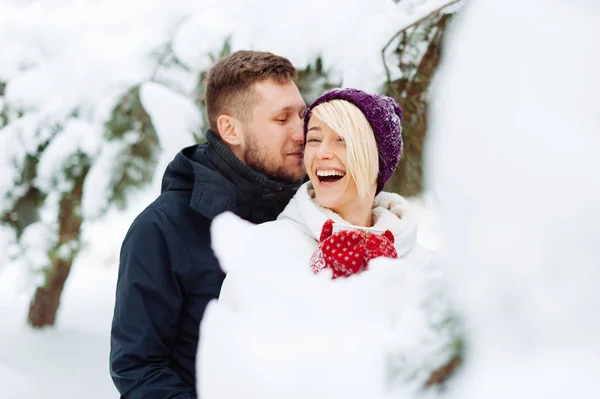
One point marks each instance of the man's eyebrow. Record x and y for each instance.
(288, 108)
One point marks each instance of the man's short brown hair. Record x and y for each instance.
(229, 82)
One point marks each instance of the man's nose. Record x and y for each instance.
(298, 130)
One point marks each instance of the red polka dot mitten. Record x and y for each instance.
(349, 252)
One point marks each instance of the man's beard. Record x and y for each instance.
(257, 158)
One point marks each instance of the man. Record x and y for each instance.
(252, 166)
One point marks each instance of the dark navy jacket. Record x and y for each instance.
(168, 272)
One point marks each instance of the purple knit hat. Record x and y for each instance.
(384, 116)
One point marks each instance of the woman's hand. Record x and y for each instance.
(349, 252)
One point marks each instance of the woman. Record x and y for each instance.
(353, 143)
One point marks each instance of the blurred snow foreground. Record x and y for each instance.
(513, 158)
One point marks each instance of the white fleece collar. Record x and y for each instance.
(390, 212)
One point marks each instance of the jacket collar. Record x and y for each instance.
(390, 212)
(223, 183)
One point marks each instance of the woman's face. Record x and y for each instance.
(325, 164)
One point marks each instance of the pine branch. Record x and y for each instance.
(404, 29)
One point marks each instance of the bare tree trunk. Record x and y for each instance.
(443, 374)
(44, 306)
(45, 302)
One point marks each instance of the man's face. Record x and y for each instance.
(274, 137)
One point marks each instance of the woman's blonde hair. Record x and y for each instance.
(347, 120)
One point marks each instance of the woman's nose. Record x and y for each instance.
(325, 151)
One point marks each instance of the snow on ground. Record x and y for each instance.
(69, 361)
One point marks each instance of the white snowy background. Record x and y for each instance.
(514, 166)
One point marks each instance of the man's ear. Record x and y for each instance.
(230, 130)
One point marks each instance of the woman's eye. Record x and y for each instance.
(312, 140)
